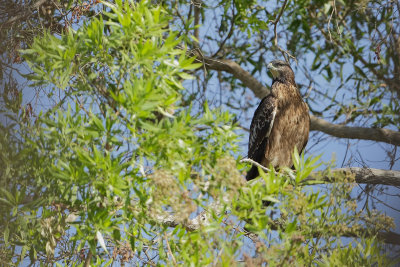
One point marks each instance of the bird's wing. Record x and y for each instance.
(261, 126)
(306, 125)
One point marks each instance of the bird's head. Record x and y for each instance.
(281, 71)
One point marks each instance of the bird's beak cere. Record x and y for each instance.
(273, 70)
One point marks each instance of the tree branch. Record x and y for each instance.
(197, 6)
(88, 258)
(342, 131)
(233, 68)
(362, 176)
(317, 124)
(388, 237)
(275, 22)
(230, 33)
(169, 249)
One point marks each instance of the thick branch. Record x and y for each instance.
(363, 176)
(342, 131)
(317, 124)
(233, 68)
(389, 237)
(197, 6)
(386, 237)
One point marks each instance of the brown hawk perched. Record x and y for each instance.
(280, 123)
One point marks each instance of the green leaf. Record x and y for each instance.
(186, 76)
(100, 239)
(270, 199)
(6, 235)
(291, 227)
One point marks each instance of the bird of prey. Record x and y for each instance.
(280, 123)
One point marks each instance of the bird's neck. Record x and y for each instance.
(284, 88)
(284, 79)
(284, 91)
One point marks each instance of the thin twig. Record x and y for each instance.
(329, 20)
(169, 249)
(275, 22)
(289, 172)
(255, 163)
(149, 261)
(229, 33)
(88, 258)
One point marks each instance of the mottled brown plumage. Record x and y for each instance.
(280, 123)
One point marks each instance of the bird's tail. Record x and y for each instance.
(253, 173)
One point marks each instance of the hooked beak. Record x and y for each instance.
(270, 66)
(273, 70)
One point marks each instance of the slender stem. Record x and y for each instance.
(169, 249)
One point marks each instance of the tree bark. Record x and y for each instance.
(388, 237)
(342, 131)
(363, 176)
